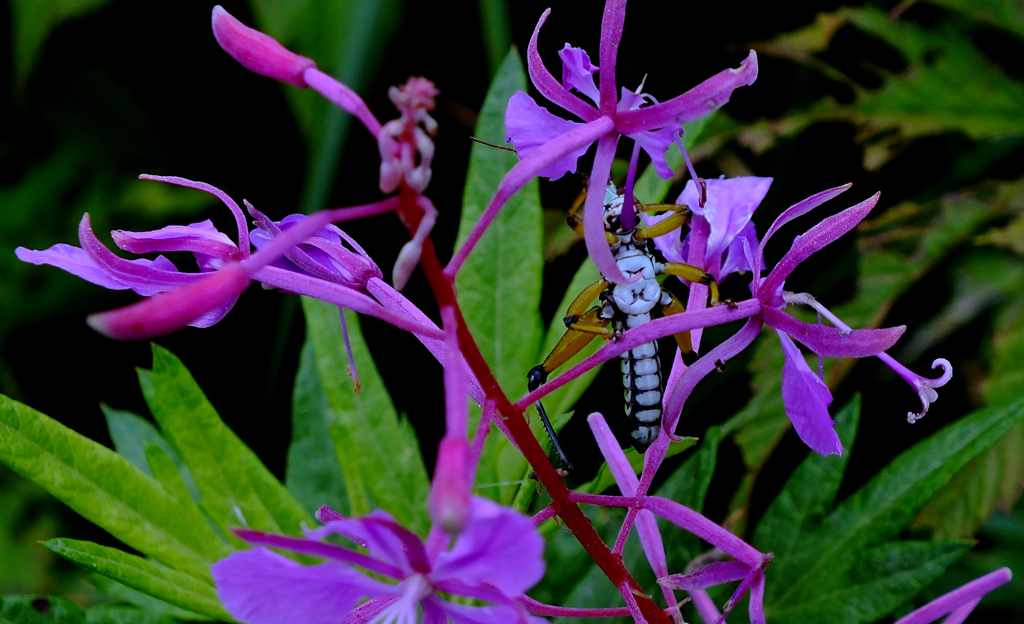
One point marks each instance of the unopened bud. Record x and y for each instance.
(258, 52)
(452, 490)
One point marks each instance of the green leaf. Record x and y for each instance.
(126, 614)
(313, 475)
(148, 604)
(130, 433)
(1000, 13)
(499, 285)
(39, 610)
(237, 489)
(105, 488)
(833, 554)
(377, 452)
(689, 485)
(33, 21)
(346, 38)
(148, 577)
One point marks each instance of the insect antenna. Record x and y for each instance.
(566, 466)
(494, 145)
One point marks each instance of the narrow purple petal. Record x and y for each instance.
(656, 143)
(708, 576)
(593, 215)
(177, 238)
(454, 380)
(396, 302)
(258, 52)
(728, 209)
(697, 256)
(756, 607)
(531, 126)
(814, 240)
(325, 514)
(462, 614)
(75, 261)
(546, 83)
(343, 97)
(262, 587)
(144, 277)
(735, 259)
(694, 104)
(705, 606)
(433, 612)
(705, 364)
(499, 547)
(801, 208)
(957, 598)
(634, 608)
(243, 231)
(318, 549)
(703, 528)
(168, 312)
(611, 34)
(619, 466)
(370, 609)
(451, 490)
(832, 342)
(379, 534)
(524, 171)
(806, 398)
(578, 72)
(654, 549)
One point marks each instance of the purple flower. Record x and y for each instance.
(550, 146)
(960, 602)
(924, 387)
(496, 558)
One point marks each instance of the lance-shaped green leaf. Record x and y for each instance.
(314, 474)
(237, 489)
(39, 610)
(147, 604)
(130, 433)
(499, 285)
(148, 577)
(376, 450)
(830, 556)
(999, 13)
(128, 614)
(105, 488)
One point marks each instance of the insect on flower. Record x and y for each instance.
(624, 306)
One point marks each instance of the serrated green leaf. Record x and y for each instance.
(130, 432)
(105, 488)
(829, 551)
(122, 593)
(346, 38)
(148, 577)
(314, 475)
(39, 610)
(884, 577)
(236, 488)
(1000, 13)
(499, 284)
(650, 188)
(125, 614)
(377, 451)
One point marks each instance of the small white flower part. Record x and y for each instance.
(924, 387)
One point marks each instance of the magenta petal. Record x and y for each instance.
(708, 576)
(262, 587)
(546, 83)
(499, 547)
(378, 533)
(578, 72)
(319, 549)
(830, 341)
(236, 212)
(690, 520)
(806, 398)
(258, 52)
(144, 277)
(611, 34)
(74, 260)
(729, 206)
(593, 212)
(814, 240)
(756, 608)
(462, 614)
(962, 596)
(801, 208)
(530, 126)
(694, 104)
(168, 312)
(656, 143)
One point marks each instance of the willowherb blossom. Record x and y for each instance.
(496, 558)
(960, 602)
(550, 146)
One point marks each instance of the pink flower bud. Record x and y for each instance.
(452, 490)
(258, 52)
(167, 312)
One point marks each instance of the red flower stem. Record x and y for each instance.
(569, 512)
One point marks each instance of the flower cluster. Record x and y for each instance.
(476, 549)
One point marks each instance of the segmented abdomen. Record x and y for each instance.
(641, 379)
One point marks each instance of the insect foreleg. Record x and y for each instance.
(693, 274)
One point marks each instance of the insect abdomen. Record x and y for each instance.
(641, 379)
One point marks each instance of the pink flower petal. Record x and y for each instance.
(963, 595)
(656, 143)
(593, 212)
(75, 261)
(611, 34)
(262, 587)
(814, 240)
(703, 528)
(729, 206)
(832, 342)
(531, 126)
(694, 104)
(710, 575)
(578, 72)
(546, 83)
(806, 398)
(258, 52)
(801, 208)
(236, 212)
(499, 547)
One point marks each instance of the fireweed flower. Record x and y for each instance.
(550, 146)
(496, 558)
(960, 602)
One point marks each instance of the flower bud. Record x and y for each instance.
(452, 490)
(258, 52)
